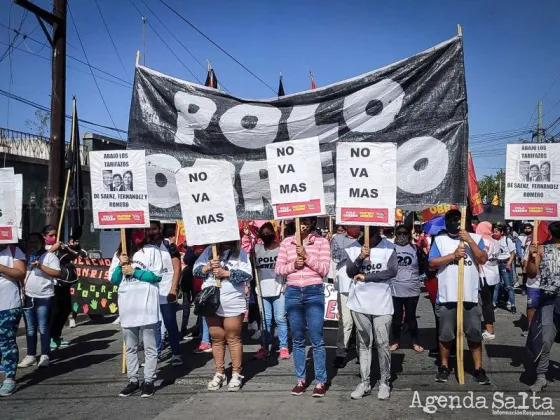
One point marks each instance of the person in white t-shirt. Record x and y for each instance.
(43, 268)
(444, 257)
(506, 265)
(489, 277)
(234, 270)
(138, 299)
(168, 287)
(371, 303)
(272, 289)
(12, 275)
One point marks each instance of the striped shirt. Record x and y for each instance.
(316, 265)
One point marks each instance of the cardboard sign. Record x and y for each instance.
(296, 178)
(93, 293)
(331, 302)
(8, 207)
(119, 189)
(532, 181)
(207, 203)
(366, 183)
(19, 203)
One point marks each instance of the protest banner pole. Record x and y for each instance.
(298, 232)
(64, 198)
(366, 235)
(330, 225)
(123, 251)
(215, 257)
(535, 239)
(460, 293)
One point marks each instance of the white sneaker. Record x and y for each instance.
(28, 361)
(236, 382)
(217, 381)
(361, 391)
(176, 361)
(488, 336)
(384, 392)
(72, 323)
(44, 361)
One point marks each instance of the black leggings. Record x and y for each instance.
(409, 305)
(486, 294)
(61, 308)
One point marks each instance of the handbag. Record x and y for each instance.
(207, 301)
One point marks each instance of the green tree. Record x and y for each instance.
(40, 125)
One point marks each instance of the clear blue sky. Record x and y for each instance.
(512, 53)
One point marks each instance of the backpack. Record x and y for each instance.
(550, 270)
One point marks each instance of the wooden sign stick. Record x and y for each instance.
(460, 296)
(215, 257)
(366, 235)
(298, 232)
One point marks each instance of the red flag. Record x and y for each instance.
(474, 193)
(313, 85)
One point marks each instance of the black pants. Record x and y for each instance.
(409, 305)
(61, 308)
(486, 295)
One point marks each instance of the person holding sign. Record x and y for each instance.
(271, 287)
(43, 268)
(304, 267)
(444, 257)
(544, 263)
(138, 299)
(12, 275)
(371, 303)
(234, 270)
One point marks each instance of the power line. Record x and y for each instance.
(91, 70)
(167, 45)
(47, 109)
(13, 41)
(111, 38)
(127, 85)
(217, 46)
(27, 36)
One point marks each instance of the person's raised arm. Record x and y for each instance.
(534, 260)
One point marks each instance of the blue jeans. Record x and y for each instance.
(35, 318)
(306, 307)
(169, 315)
(506, 282)
(275, 305)
(205, 330)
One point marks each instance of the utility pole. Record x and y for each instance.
(539, 123)
(55, 181)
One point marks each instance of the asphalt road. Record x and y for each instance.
(84, 380)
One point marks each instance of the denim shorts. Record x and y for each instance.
(533, 298)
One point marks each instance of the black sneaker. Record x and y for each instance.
(513, 310)
(147, 390)
(434, 352)
(480, 377)
(443, 374)
(130, 389)
(340, 362)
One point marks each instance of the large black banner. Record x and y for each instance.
(420, 103)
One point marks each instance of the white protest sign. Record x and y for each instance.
(8, 208)
(532, 181)
(207, 203)
(366, 183)
(296, 178)
(19, 203)
(119, 189)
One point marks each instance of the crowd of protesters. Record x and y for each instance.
(271, 280)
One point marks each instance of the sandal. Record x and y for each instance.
(418, 348)
(216, 382)
(394, 347)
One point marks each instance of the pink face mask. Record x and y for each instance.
(50, 240)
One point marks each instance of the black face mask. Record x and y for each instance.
(268, 239)
(402, 239)
(452, 227)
